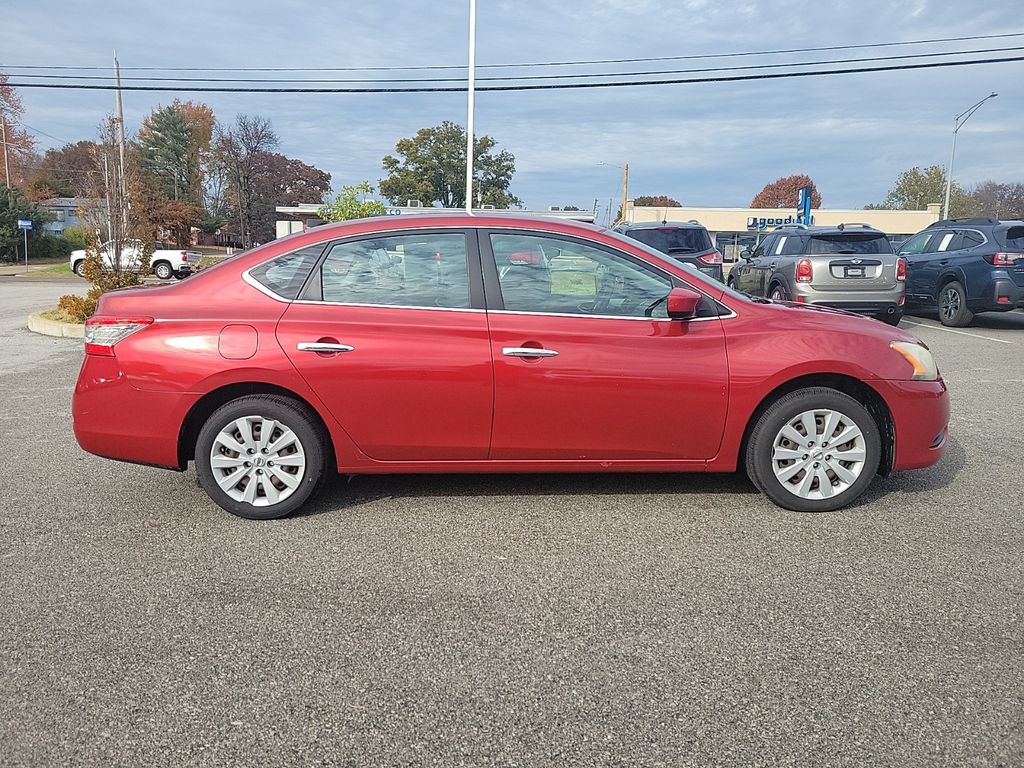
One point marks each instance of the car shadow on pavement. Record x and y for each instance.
(346, 492)
(919, 481)
(996, 321)
(351, 491)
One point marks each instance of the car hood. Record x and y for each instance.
(840, 320)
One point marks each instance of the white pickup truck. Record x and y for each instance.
(166, 261)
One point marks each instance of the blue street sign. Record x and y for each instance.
(24, 224)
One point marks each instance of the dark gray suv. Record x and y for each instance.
(851, 267)
(687, 242)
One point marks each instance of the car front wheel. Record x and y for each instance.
(813, 450)
(79, 268)
(261, 457)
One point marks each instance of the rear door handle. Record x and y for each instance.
(323, 346)
(944, 262)
(528, 352)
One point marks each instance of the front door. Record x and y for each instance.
(586, 363)
(919, 251)
(392, 336)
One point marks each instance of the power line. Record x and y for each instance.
(576, 75)
(546, 86)
(531, 64)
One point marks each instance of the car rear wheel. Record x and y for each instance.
(261, 457)
(163, 270)
(953, 309)
(813, 450)
(778, 293)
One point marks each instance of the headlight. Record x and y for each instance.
(920, 357)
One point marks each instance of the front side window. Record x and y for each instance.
(286, 274)
(420, 270)
(544, 274)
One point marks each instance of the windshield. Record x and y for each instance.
(674, 240)
(847, 243)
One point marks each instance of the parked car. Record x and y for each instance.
(961, 267)
(686, 242)
(850, 267)
(166, 261)
(457, 343)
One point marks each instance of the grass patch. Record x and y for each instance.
(63, 269)
(59, 315)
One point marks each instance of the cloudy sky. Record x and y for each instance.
(713, 144)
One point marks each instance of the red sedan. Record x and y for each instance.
(457, 343)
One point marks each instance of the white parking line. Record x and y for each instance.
(962, 333)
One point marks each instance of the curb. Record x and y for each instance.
(39, 324)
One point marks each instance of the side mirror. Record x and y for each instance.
(682, 303)
(745, 253)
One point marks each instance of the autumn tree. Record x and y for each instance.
(431, 167)
(69, 171)
(916, 187)
(1000, 201)
(20, 146)
(656, 201)
(279, 180)
(785, 193)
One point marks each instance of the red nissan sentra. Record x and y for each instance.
(457, 343)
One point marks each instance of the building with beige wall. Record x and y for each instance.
(733, 229)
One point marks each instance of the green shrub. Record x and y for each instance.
(79, 238)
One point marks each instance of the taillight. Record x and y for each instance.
(103, 332)
(710, 258)
(804, 272)
(1004, 259)
(901, 270)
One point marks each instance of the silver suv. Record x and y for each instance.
(851, 267)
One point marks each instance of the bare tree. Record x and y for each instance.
(238, 149)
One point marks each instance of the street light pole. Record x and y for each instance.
(469, 106)
(958, 123)
(625, 186)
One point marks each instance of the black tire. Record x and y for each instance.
(778, 292)
(162, 269)
(952, 306)
(312, 440)
(79, 267)
(760, 447)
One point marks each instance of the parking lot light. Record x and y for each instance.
(958, 123)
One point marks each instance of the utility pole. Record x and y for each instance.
(7, 162)
(106, 188)
(120, 142)
(625, 190)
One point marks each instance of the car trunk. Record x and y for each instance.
(850, 262)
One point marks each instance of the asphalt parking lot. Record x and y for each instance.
(527, 620)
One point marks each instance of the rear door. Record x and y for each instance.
(586, 363)
(391, 334)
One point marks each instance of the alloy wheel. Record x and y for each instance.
(257, 460)
(818, 454)
(949, 303)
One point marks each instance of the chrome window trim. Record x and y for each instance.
(615, 317)
(384, 306)
(246, 277)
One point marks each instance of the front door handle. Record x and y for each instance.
(528, 352)
(944, 262)
(323, 346)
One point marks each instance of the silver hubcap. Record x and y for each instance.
(257, 460)
(818, 454)
(950, 303)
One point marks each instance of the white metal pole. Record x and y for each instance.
(949, 172)
(469, 106)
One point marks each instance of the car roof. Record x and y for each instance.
(838, 229)
(660, 225)
(975, 221)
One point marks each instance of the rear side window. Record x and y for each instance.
(428, 270)
(674, 240)
(875, 243)
(286, 274)
(1011, 237)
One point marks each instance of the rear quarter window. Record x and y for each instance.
(286, 274)
(1011, 237)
